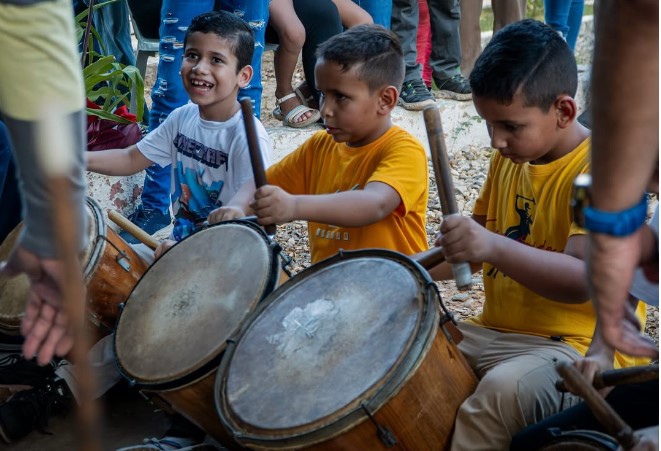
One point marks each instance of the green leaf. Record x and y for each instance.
(106, 115)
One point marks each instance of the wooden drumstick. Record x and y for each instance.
(430, 258)
(609, 419)
(255, 153)
(630, 375)
(463, 275)
(133, 229)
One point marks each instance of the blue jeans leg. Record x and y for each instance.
(565, 16)
(380, 10)
(256, 13)
(10, 201)
(168, 92)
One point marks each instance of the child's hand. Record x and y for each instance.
(464, 240)
(164, 246)
(273, 205)
(225, 214)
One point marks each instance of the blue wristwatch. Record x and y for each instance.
(616, 223)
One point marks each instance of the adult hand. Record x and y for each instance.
(611, 266)
(273, 205)
(46, 325)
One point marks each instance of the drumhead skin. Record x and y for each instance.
(14, 291)
(343, 333)
(96, 227)
(178, 317)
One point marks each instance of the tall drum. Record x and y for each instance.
(173, 330)
(111, 269)
(346, 355)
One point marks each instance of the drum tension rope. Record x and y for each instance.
(384, 434)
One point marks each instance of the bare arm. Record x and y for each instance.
(354, 208)
(126, 161)
(554, 275)
(351, 14)
(624, 148)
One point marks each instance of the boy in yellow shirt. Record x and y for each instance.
(363, 182)
(523, 237)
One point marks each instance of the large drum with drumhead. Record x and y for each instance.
(173, 330)
(111, 269)
(347, 355)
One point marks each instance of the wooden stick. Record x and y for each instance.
(630, 375)
(133, 229)
(430, 258)
(55, 155)
(462, 273)
(255, 153)
(613, 424)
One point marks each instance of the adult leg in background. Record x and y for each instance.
(321, 21)
(380, 10)
(10, 200)
(404, 23)
(446, 50)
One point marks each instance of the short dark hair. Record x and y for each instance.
(230, 27)
(528, 56)
(372, 49)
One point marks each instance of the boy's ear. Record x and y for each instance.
(566, 110)
(388, 99)
(244, 76)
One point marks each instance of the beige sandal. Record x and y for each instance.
(290, 119)
(301, 95)
(277, 113)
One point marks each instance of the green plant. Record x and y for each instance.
(108, 83)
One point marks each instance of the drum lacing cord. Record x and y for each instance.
(287, 262)
(384, 434)
(448, 316)
(122, 259)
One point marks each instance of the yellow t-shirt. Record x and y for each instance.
(322, 166)
(531, 203)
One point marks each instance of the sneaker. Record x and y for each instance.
(30, 409)
(415, 96)
(457, 88)
(15, 370)
(149, 220)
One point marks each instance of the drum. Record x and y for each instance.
(111, 270)
(580, 440)
(346, 355)
(173, 330)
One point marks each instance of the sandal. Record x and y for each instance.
(277, 113)
(290, 119)
(299, 90)
(299, 110)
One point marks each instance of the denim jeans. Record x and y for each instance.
(380, 10)
(112, 23)
(10, 201)
(168, 92)
(565, 16)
